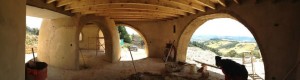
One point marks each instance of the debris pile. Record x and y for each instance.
(152, 76)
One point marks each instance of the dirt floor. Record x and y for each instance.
(100, 69)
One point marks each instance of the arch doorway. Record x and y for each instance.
(132, 38)
(221, 35)
(91, 39)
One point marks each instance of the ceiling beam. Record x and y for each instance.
(164, 3)
(191, 4)
(64, 2)
(50, 1)
(116, 19)
(207, 3)
(131, 13)
(52, 6)
(222, 2)
(236, 1)
(123, 11)
(133, 6)
(134, 15)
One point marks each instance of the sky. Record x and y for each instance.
(223, 27)
(33, 22)
(130, 31)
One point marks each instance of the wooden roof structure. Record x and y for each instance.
(138, 10)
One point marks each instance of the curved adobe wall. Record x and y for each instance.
(110, 32)
(57, 43)
(185, 37)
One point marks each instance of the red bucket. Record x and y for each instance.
(37, 72)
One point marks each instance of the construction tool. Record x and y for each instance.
(84, 65)
(171, 48)
(132, 59)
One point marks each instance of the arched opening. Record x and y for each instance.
(33, 25)
(221, 35)
(80, 36)
(132, 43)
(91, 46)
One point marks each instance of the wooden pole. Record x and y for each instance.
(132, 59)
(33, 55)
(171, 48)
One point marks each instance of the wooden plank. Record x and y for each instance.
(130, 15)
(125, 11)
(133, 6)
(64, 2)
(222, 2)
(236, 1)
(164, 3)
(50, 1)
(138, 19)
(43, 5)
(207, 3)
(191, 4)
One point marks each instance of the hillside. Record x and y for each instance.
(225, 47)
(31, 40)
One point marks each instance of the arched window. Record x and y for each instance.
(80, 36)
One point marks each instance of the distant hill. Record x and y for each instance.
(224, 46)
(230, 38)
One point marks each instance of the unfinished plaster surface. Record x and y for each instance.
(42, 13)
(274, 27)
(110, 32)
(91, 34)
(57, 43)
(12, 44)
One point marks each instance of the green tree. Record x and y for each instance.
(123, 34)
(231, 53)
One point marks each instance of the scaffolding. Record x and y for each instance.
(98, 44)
(248, 60)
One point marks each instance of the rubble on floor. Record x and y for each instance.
(152, 76)
(173, 71)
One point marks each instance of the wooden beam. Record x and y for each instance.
(133, 6)
(165, 3)
(138, 19)
(52, 6)
(191, 4)
(222, 2)
(135, 15)
(64, 2)
(206, 3)
(236, 1)
(125, 11)
(50, 1)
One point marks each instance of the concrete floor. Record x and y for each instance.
(100, 69)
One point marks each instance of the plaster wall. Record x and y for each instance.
(90, 34)
(110, 32)
(36, 12)
(58, 43)
(12, 42)
(274, 25)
